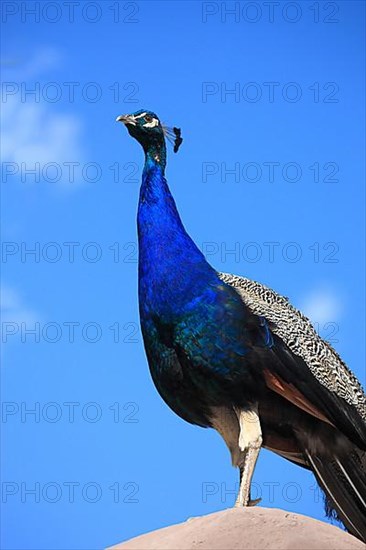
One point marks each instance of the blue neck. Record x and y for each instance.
(170, 264)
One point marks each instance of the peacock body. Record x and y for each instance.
(228, 353)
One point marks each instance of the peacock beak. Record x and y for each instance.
(126, 119)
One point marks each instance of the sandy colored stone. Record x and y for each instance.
(246, 529)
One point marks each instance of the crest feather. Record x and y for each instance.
(173, 135)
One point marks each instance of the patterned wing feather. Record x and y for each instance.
(301, 338)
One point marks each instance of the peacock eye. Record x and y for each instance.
(148, 118)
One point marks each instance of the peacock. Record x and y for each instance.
(229, 353)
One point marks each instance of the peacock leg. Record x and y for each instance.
(251, 502)
(250, 441)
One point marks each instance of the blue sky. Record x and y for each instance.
(269, 182)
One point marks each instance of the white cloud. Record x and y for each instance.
(13, 307)
(322, 306)
(31, 133)
(42, 60)
(38, 132)
(16, 316)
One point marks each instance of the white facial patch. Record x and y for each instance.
(139, 116)
(151, 124)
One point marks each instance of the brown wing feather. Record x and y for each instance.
(292, 394)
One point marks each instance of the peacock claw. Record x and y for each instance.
(254, 502)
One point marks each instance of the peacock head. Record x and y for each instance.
(146, 127)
